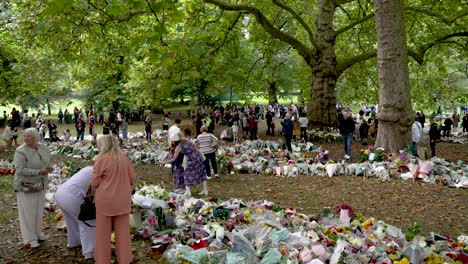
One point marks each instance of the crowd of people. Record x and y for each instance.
(192, 157)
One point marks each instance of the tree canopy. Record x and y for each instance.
(151, 53)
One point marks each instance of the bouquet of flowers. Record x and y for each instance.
(154, 192)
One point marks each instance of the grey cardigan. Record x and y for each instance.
(28, 162)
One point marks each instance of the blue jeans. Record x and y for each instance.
(80, 134)
(347, 140)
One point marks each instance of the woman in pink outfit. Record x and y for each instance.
(113, 179)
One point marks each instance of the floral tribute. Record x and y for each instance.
(7, 168)
(269, 158)
(234, 231)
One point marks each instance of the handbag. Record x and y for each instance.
(29, 187)
(87, 208)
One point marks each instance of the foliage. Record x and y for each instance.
(128, 54)
(413, 230)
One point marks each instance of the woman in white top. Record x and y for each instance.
(303, 121)
(69, 197)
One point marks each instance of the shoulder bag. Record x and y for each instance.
(87, 208)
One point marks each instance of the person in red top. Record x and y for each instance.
(112, 177)
(253, 126)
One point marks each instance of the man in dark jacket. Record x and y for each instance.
(288, 128)
(347, 127)
(269, 121)
(434, 135)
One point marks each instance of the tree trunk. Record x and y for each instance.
(395, 111)
(322, 104)
(272, 92)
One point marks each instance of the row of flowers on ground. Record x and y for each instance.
(268, 158)
(189, 230)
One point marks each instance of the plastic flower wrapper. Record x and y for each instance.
(282, 235)
(363, 169)
(381, 173)
(413, 253)
(351, 168)
(272, 256)
(331, 169)
(425, 169)
(240, 244)
(320, 251)
(194, 256)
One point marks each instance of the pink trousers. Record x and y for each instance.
(123, 243)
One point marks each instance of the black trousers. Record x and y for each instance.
(432, 144)
(210, 158)
(287, 139)
(304, 133)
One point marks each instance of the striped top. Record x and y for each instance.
(207, 142)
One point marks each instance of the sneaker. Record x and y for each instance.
(33, 244)
(208, 178)
(42, 237)
(203, 193)
(216, 176)
(179, 191)
(346, 157)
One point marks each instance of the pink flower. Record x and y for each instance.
(346, 207)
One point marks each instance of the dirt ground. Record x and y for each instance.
(437, 208)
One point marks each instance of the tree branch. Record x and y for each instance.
(299, 19)
(440, 40)
(417, 55)
(354, 23)
(305, 52)
(419, 58)
(345, 64)
(154, 13)
(214, 21)
(250, 70)
(230, 28)
(447, 21)
(342, 2)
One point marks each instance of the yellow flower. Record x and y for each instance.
(434, 259)
(259, 210)
(368, 223)
(403, 261)
(246, 213)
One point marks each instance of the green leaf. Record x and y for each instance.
(196, 50)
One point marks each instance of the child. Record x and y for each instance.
(8, 135)
(235, 131)
(166, 122)
(42, 132)
(297, 131)
(67, 135)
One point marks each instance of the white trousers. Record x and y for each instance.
(30, 211)
(78, 232)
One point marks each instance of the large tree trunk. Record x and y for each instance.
(272, 92)
(322, 104)
(395, 111)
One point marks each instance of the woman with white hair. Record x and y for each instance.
(32, 164)
(112, 177)
(194, 172)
